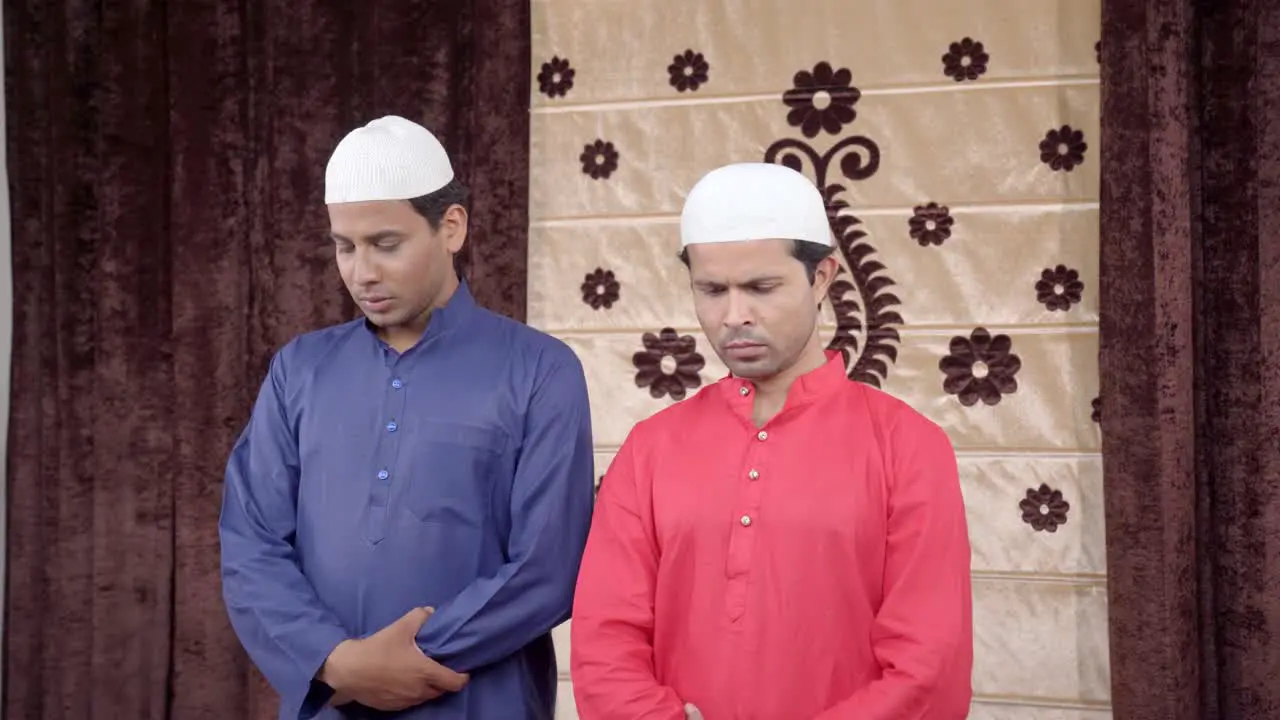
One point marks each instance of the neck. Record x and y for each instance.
(771, 392)
(406, 335)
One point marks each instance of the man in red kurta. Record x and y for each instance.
(786, 544)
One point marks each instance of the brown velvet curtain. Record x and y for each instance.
(166, 162)
(1190, 358)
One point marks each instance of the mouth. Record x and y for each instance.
(375, 303)
(744, 349)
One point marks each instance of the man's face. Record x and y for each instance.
(393, 264)
(755, 303)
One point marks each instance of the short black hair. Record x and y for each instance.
(809, 254)
(433, 206)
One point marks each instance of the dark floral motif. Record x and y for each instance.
(860, 294)
(600, 289)
(931, 224)
(965, 60)
(1063, 149)
(822, 100)
(599, 159)
(1059, 288)
(980, 367)
(668, 365)
(1044, 509)
(556, 77)
(1096, 415)
(688, 71)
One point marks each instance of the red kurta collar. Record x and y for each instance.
(808, 387)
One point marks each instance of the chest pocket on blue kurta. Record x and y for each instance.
(453, 469)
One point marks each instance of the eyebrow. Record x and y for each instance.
(375, 237)
(761, 280)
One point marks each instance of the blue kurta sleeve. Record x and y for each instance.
(551, 504)
(286, 630)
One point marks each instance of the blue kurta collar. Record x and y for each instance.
(455, 314)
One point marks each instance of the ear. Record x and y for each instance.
(823, 275)
(453, 228)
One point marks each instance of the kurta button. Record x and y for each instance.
(753, 475)
(397, 384)
(391, 426)
(763, 435)
(383, 474)
(743, 390)
(746, 520)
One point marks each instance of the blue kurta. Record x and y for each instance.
(457, 475)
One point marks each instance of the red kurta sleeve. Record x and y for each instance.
(922, 634)
(611, 635)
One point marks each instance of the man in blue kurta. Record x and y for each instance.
(404, 514)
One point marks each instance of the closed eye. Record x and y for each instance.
(753, 288)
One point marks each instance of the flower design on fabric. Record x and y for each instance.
(1044, 509)
(1059, 288)
(668, 365)
(965, 60)
(688, 71)
(1096, 415)
(931, 224)
(599, 159)
(600, 289)
(821, 100)
(862, 293)
(556, 77)
(980, 367)
(1063, 149)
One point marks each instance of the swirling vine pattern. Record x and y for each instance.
(860, 296)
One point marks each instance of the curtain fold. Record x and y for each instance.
(166, 167)
(1190, 355)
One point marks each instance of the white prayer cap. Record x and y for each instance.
(391, 158)
(753, 201)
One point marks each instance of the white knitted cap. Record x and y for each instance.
(753, 201)
(391, 158)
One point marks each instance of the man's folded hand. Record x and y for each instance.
(387, 670)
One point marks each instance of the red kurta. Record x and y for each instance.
(815, 567)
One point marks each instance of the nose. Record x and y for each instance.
(365, 268)
(740, 312)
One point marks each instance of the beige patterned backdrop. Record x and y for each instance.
(957, 142)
